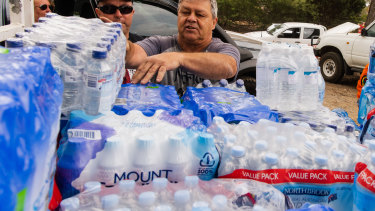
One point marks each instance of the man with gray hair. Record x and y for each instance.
(189, 57)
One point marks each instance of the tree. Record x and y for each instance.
(371, 13)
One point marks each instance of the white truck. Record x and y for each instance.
(342, 52)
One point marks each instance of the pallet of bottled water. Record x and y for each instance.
(306, 165)
(89, 56)
(191, 194)
(234, 106)
(239, 85)
(110, 148)
(288, 77)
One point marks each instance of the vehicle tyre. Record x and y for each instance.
(332, 67)
(250, 84)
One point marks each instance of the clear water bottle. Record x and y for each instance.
(90, 195)
(321, 162)
(287, 83)
(70, 204)
(290, 160)
(219, 203)
(270, 161)
(177, 159)
(263, 75)
(236, 161)
(255, 161)
(240, 86)
(72, 75)
(205, 83)
(110, 202)
(146, 201)
(321, 85)
(223, 83)
(309, 92)
(159, 185)
(337, 161)
(192, 184)
(128, 197)
(98, 83)
(144, 161)
(182, 200)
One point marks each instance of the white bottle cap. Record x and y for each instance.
(127, 185)
(92, 186)
(110, 201)
(175, 140)
(261, 145)
(191, 181)
(238, 151)
(292, 151)
(146, 199)
(145, 142)
(163, 207)
(159, 184)
(329, 130)
(220, 202)
(244, 124)
(218, 120)
(181, 197)
(271, 158)
(69, 204)
(200, 206)
(321, 160)
(113, 141)
(230, 138)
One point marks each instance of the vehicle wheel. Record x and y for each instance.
(250, 84)
(332, 67)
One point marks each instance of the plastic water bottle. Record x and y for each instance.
(159, 186)
(223, 83)
(321, 162)
(145, 161)
(290, 160)
(270, 161)
(205, 83)
(111, 161)
(239, 86)
(321, 85)
(90, 197)
(110, 202)
(206, 156)
(192, 184)
(236, 161)
(260, 148)
(127, 194)
(287, 88)
(72, 76)
(146, 200)
(14, 43)
(219, 203)
(338, 160)
(98, 84)
(263, 75)
(182, 200)
(178, 159)
(309, 91)
(70, 204)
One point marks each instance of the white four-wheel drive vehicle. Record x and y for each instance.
(290, 32)
(342, 52)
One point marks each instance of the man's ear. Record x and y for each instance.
(214, 22)
(98, 12)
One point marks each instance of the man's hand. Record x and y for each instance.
(105, 20)
(157, 64)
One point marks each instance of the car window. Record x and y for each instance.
(151, 20)
(275, 28)
(371, 31)
(308, 33)
(293, 33)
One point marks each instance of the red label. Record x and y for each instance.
(360, 167)
(367, 179)
(277, 176)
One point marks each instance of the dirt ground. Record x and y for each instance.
(343, 95)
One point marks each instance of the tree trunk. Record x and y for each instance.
(371, 13)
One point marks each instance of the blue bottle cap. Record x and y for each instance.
(206, 83)
(35, 25)
(223, 82)
(261, 145)
(127, 185)
(108, 38)
(51, 14)
(42, 19)
(349, 128)
(338, 153)
(20, 34)
(114, 35)
(146, 199)
(92, 187)
(99, 53)
(206, 138)
(181, 197)
(46, 44)
(321, 160)
(68, 204)
(110, 201)
(271, 158)
(14, 43)
(240, 83)
(28, 29)
(159, 183)
(191, 181)
(104, 44)
(285, 119)
(238, 151)
(74, 46)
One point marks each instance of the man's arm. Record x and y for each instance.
(135, 55)
(206, 65)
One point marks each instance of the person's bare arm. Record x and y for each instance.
(135, 55)
(206, 65)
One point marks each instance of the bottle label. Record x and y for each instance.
(92, 81)
(86, 134)
(364, 190)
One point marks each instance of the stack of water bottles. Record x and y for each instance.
(367, 100)
(288, 77)
(88, 55)
(109, 148)
(191, 194)
(306, 165)
(30, 102)
(239, 85)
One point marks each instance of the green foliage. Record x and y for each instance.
(261, 13)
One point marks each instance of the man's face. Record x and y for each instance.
(195, 22)
(124, 19)
(39, 12)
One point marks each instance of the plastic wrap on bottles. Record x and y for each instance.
(92, 77)
(312, 207)
(30, 107)
(147, 98)
(305, 165)
(232, 105)
(192, 194)
(110, 148)
(364, 188)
